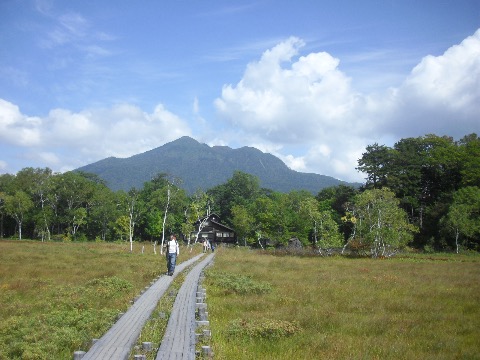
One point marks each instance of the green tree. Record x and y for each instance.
(283, 219)
(329, 234)
(470, 160)
(298, 225)
(309, 209)
(122, 226)
(103, 213)
(6, 187)
(325, 229)
(463, 217)
(375, 162)
(242, 221)
(79, 219)
(405, 176)
(131, 207)
(265, 223)
(337, 198)
(38, 184)
(241, 189)
(380, 223)
(69, 192)
(164, 207)
(17, 206)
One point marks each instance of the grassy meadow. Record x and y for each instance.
(283, 307)
(56, 297)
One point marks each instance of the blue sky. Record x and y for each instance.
(312, 82)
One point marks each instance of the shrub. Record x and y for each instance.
(238, 284)
(263, 328)
(110, 286)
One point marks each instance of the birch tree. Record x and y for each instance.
(17, 206)
(381, 223)
(309, 208)
(2, 212)
(161, 197)
(463, 217)
(131, 206)
(38, 183)
(325, 229)
(199, 212)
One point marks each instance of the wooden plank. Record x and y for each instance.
(117, 342)
(179, 339)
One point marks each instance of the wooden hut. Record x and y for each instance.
(213, 231)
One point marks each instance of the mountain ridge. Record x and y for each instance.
(202, 167)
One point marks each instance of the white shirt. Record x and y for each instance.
(172, 246)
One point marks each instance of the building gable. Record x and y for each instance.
(214, 231)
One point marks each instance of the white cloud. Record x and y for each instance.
(284, 98)
(73, 128)
(69, 139)
(441, 95)
(299, 107)
(297, 163)
(16, 128)
(289, 105)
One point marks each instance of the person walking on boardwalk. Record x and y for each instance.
(172, 251)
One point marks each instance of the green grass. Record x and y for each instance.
(56, 297)
(419, 307)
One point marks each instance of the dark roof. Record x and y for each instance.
(214, 218)
(224, 226)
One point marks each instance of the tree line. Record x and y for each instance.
(422, 192)
(436, 181)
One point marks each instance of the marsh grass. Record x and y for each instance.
(414, 307)
(56, 297)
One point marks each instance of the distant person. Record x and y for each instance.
(205, 245)
(213, 246)
(172, 251)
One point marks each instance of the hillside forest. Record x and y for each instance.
(423, 193)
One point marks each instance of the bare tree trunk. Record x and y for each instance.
(130, 229)
(165, 219)
(457, 234)
(259, 237)
(201, 225)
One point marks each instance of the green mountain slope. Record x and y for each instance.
(203, 167)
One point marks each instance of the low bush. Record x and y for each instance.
(261, 328)
(238, 284)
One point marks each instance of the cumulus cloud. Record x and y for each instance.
(289, 104)
(16, 128)
(441, 94)
(301, 107)
(286, 98)
(68, 139)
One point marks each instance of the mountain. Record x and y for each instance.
(203, 167)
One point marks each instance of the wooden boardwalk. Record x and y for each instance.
(179, 340)
(117, 342)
